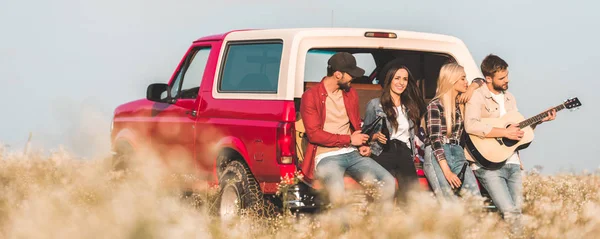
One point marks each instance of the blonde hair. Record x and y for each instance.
(449, 74)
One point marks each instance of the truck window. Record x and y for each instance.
(251, 67)
(316, 64)
(189, 77)
(424, 66)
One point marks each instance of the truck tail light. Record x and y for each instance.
(381, 34)
(286, 143)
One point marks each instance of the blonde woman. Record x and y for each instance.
(444, 157)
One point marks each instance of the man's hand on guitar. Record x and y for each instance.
(514, 132)
(551, 116)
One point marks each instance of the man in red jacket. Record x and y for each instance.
(336, 145)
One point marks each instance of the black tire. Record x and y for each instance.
(236, 179)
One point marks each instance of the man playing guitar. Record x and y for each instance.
(504, 184)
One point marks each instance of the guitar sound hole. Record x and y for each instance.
(509, 142)
(499, 140)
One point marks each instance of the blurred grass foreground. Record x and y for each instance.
(61, 196)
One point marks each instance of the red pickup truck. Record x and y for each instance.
(231, 106)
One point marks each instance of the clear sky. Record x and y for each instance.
(66, 64)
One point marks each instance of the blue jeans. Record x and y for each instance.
(331, 170)
(455, 158)
(505, 188)
(431, 172)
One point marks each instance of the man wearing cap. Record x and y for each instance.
(336, 145)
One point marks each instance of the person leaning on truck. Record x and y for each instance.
(402, 106)
(336, 145)
(493, 101)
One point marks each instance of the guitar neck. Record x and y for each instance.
(540, 116)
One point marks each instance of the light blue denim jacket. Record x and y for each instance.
(373, 109)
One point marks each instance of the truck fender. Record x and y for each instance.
(235, 144)
(125, 136)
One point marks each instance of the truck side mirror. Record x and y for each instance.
(158, 92)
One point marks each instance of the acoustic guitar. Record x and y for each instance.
(492, 153)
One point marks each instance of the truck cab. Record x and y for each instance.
(231, 108)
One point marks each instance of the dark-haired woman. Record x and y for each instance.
(393, 145)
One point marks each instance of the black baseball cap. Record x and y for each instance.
(345, 62)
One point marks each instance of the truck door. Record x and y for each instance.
(175, 132)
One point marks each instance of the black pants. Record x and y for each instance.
(397, 159)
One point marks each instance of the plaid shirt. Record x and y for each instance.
(436, 128)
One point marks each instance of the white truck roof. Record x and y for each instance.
(298, 41)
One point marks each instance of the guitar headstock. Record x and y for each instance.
(572, 103)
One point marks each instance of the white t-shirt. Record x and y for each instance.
(514, 159)
(402, 133)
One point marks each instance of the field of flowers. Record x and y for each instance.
(61, 196)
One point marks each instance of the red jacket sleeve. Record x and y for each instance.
(314, 126)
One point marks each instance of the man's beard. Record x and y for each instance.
(344, 86)
(500, 88)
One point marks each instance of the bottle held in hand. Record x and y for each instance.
(370, 129)
(461, 176)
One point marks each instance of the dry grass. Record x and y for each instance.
(59, 196)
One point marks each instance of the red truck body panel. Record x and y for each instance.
(250, 127)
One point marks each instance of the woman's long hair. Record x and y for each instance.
(449, 74)
(411, 98)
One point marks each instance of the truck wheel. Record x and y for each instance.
(121, 159)
(240, 193)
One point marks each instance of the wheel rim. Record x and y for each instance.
(229, 203)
